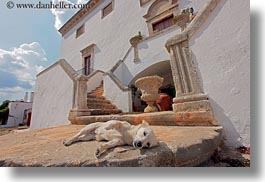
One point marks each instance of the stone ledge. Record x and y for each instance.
(165, 118)
(179, 146)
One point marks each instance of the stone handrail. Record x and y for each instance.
(121, 60)
(94, 80)
(117, 81)
(195, 24)
(79, 83)
(69, 70)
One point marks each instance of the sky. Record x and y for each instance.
(29, 43)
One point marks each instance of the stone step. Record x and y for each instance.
(104, 111)
(97, 94)
(98, 100)
(100, 106)
(96, 91)
(95, 97)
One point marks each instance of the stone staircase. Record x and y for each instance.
(98, 104)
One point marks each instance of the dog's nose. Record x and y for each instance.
(139, 144)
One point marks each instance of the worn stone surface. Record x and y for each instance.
(169, 118)
(179, 146)
(227, 157)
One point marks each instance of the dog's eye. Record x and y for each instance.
(148, 144)
(144, 133)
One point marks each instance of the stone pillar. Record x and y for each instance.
(80, 99)
(189, 93)
(134, 42)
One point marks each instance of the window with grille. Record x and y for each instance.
(107, 10)
(163, 24)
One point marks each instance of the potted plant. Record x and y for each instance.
(136, 39)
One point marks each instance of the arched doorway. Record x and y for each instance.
(162, 69)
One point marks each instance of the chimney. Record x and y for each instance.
(31, 96)
(26, 97)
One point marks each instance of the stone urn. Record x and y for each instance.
(149, 87)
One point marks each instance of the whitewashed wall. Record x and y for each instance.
(122, 99)
(16, 112)
(221, 49)
(112, 33)
(53, 98)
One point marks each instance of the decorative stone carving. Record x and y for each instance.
(189, 93)
(80, 100)
(184, 18)
(159, 10)
(134, 42)
(149, 87)
(190, 99)
(143, 2)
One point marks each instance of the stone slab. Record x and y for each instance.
(179, 146)
(168, 118)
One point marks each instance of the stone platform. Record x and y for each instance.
(168, 118)
(179, 146)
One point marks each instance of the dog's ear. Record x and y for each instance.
(145, 123)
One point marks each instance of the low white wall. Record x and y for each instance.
(94, 81)
(151, 51)
(53, 98)
(16, 112)
(221, 48)
(112, 92)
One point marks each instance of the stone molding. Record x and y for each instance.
(117, 81)
(90, 6)
(154, 14)
(88, 51)
(144, 2)
(190, 97)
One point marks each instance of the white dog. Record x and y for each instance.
(117, 133)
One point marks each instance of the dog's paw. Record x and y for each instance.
(66, 143)
(98, 153)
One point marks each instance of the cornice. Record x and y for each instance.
(90, 6)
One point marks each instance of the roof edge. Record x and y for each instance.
(77, 17)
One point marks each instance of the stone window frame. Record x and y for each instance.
(102, 10)
(144, 2)
(167, 12)
(80, 31)
(88, 51)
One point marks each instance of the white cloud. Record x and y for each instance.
(62, 15)
(18, 69)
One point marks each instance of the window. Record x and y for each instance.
(80, 31)
(160, 15)
(143, 2)
(163, 24)
(87, 64)
(88, 59)
(107, 10)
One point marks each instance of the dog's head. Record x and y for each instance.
(145, 137)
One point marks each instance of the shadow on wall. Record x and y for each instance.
(196, 65)
(208, 22)
(231, 136)
(184, 4)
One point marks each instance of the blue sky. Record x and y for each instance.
(29, 43)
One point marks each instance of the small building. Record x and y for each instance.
(20, 111)
(16, 113)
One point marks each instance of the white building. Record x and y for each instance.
(205, 52)
(17, 111)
